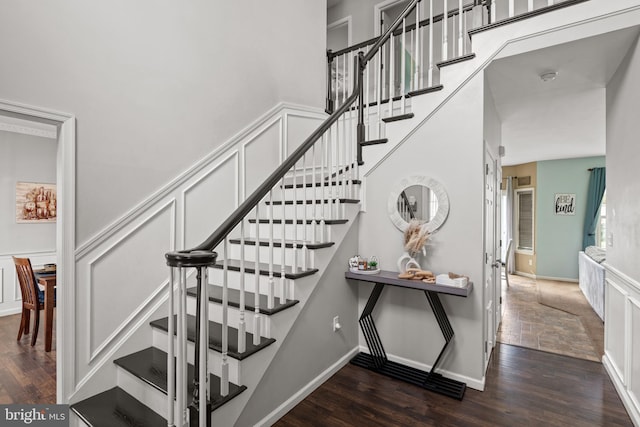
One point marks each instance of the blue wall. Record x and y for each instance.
(559, 237)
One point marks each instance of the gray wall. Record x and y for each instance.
(24, 158)
(451, 154)
(156, 85)
(311, 346)
(559, 237)
(623, 157)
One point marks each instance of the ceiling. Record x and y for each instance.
(562, 118)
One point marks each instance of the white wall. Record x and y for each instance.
(156, 85)
(622, 297)
(451, 154)
(24, 158)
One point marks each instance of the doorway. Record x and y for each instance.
(64, 233)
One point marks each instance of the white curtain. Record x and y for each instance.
(509, 234)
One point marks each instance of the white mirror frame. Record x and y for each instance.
(433, 185)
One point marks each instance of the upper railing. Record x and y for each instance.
(324, 168)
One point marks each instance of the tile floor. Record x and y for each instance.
(529, 324)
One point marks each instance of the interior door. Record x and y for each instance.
(498, 248)
(489, 288)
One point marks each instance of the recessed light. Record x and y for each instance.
(548, 76)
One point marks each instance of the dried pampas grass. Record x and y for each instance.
(415, 237)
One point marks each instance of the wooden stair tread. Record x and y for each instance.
(374, 142)
(308, 202)
(116, 408)
(277, 243)
(150, 365)
(300, 221)
(456, 60)
(424, 91)
(398, 118)
(319, 183)
(215, 337)
(215, 295)
(249, 267)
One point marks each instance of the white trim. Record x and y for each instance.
(377, 10)
(65, 240)
(523, 274)
(557, 279)
(305, 391)
(474, 383)
(533, 220)
(175, 184)
(621, 276)
(348, 20)
(10, 311)
(28, 129)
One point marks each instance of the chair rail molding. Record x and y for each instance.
(65, 237)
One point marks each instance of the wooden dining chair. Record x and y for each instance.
(32, 299)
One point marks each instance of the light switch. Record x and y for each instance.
(610, 239)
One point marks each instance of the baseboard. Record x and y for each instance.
(632, 409)
(476, 384)
(523, 274)
(10, 311)
(557, 279)
(290, 403)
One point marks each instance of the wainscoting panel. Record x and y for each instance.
(210, 200)
(10, 296)
(262, 155)
(622, 338)
(131, 266)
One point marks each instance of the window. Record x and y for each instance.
(601, 227)
(524, 220)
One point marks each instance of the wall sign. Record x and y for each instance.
(565, 204)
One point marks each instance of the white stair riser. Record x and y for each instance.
(263, 253)
(325, 210)
(215, 358)
(321, 192)
(150, 396)
(216, 276)
(291, 232)
(215, 314)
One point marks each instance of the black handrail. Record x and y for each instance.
(408, 205)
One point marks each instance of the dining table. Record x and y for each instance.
(47, 283)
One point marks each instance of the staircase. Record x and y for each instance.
(238, 295)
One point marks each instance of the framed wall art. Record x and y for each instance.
(565, 204)
(36, 202)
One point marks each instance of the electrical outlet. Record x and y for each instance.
(336, 324)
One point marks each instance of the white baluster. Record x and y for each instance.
(203, 374)
(270, 290)
(314, 214)
(512, 8)
(282, 240)
(403, 66)
(242, 326)
(417, 83)
(256, 295)
(305, 250)
(171, 366)
(224, 377)
(493, 11)
(445, 32)
(460, 29)
(181, 374)
(379, 91)
(530, 5)
(431, 61)
(337, 81)
(392, 76)
(549, 2)
(323, 185)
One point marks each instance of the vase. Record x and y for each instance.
(406, 261)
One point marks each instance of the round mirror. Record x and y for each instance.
(421, 198)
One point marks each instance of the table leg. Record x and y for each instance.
(48, 315)
(369, 330)
(443, 323)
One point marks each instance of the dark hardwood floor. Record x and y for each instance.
(524, 387)
(27, 374)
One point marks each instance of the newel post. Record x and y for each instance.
(329, 106)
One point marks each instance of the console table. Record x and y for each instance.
(377, 361)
